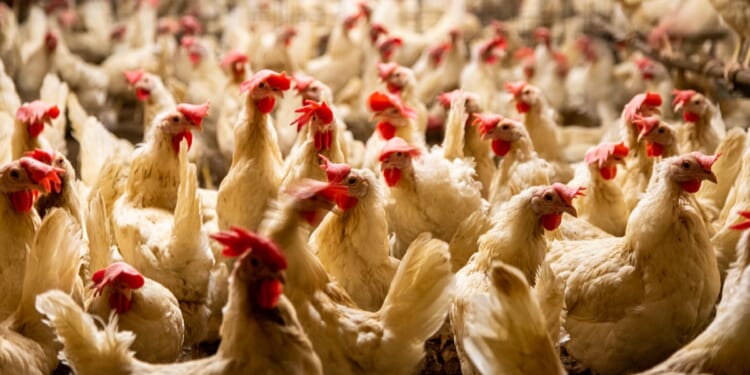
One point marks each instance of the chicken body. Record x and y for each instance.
(618, 287)
(603, 205)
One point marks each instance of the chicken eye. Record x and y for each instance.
(686, 164)
(352, 181)
(262, 85)
(175, 119)
(14, 174)
(548, 197)
(398, 153)
(661, 131)
(506, 127)
(254, 262)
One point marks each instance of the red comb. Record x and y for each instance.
(515, 88)
(239, 241)
(646, 124)
(706, 161)
(682, 96)
(233, 57)
(380, 101)
(279, 81)
(133, 76)
(42, 174)
(486, 121)
(567, 193)
(438, 52)
(194, 113)
(386, 69)
(602, 152)
(633, 107)
(36, 112)
(312, 108)
(187, 41)
(117, 272)
(45, 156)
(652, 99)
(524, 53)
(542, 33)
(376, 30)
(486, 49)
(743, 224)
(335, 172)
(643, 63)
(190, 25)
(302, 82)
(397, 144)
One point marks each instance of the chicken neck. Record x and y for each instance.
(159, 100)
(255, 136)
(22, 141)
(154, 173)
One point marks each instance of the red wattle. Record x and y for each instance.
(392, 176)
(522, 107)
(500, 147)
(551, 221)
(35, 129)
(386, 130)
(654, 149)
(691, 117)
(608, 172)
(23, 201)
(691, 186)
(265, 105)
(195, 58)
(119, 302)
(142, 94)
(323, 140)
(269, 293)
(311, 217)
(179, 137)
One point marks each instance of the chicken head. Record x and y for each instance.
(348, 185)
(395, 159)
(644, 105)
(260, 265)
(142, 82)
(692, 104)
(264, 87)
(655, 133)
(311, 89)
(120, 279)
(319, 117)
(690, 170)
(25, 178)
(313, 199)
(606, 156)
(235, 62)
(526, 96)
(502, 132)
(471, 103)
(390, 112)
(179, 123)
(550, 202)
(35, 114)
(395, 77)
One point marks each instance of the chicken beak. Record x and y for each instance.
(711, 177)
(571, 210)
(678, 106)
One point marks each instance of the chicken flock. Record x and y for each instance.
(194, 187)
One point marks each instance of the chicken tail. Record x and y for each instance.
(100, 234)
(187, 232)
(54, 91)
(453, 142)
(86, 349)
(417, 302)
(550, 293)
(54, 259)
(713, 196)
(463, 244)
(507, 327)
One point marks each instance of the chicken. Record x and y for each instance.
(273, 51)
(416, 184)
(726, 239)
(256, 155)
(471, 144)
(400, 80)
(359, 261)
(150, 89)
(507, 328)
(143, 307)
(67, 194)
(29, 346)
(516, 238)
(37, 54)
(638, 166)
(445, 73)
(703, 128)
(21, 182)
(480, 75)
(56, 92)
(713, 197)
(542, 129)
(617, 287)
(520, 167)
(322, 139)
(260, 331)
(736, 14)
(604, 204)
(161, 190)
(390, 340)
(29, 124)
(395, 119)
(550, 69)
(659, 138)
(718, 349)
(340, 62)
